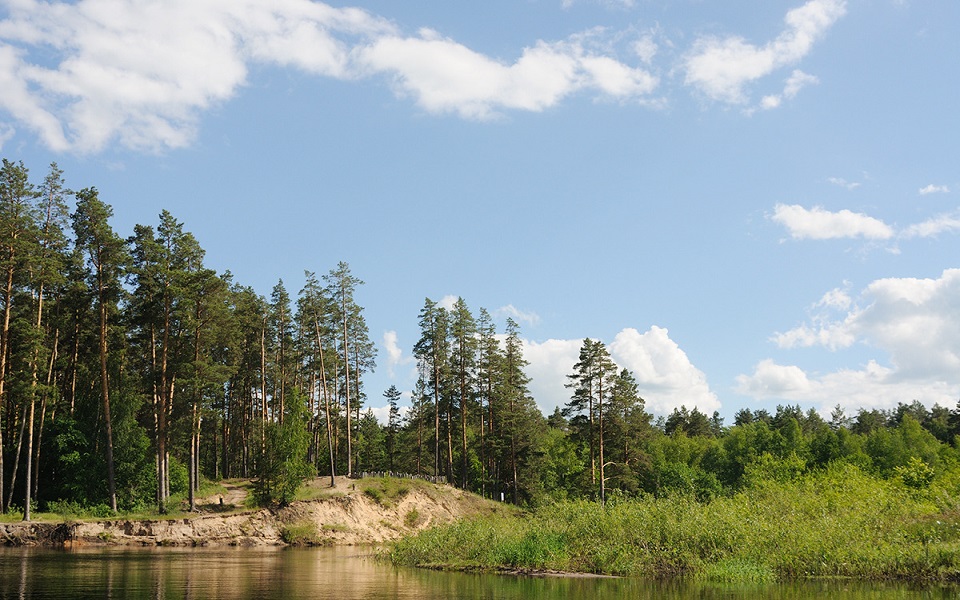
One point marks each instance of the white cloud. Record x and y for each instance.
(139, 72)
(796, 82)
(664, 374)
(445, 76)
(608, 3)
(550, 363)
(528, 317)
(721, 67)
(832, 337)
(933, 189)
(872, 386)
(6, 134)
(850, 185)
(395, 355)
(448, 301)
(86, 74)
(819, 224)
(770, 380)
(836, 298)
(382, 413)
(646, 48)
(824, 330)
(933, 227)
(915, 322)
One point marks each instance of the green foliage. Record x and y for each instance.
(301, 533)
(282, 464)
(915, 474)
(412, 518)
(839, 522)
(385, 491)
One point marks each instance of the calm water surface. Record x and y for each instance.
(351, 573)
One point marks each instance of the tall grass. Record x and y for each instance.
(841, 522)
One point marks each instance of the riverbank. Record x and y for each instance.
(839, 523)
(353, 512)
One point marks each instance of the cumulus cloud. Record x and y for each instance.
(665, 376)
(933, 189)
(913, 321)
(550, 363)
(84, 74)
(824, 329)
(872, 386)
(445, 76)
(395, 354)
(448, 301)
(382, 413)
(819, 224)
(721, 67)
(770, 380)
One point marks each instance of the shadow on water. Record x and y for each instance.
(353, 573)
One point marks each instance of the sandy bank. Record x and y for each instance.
(351, 513)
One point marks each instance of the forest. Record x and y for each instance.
(130, 373)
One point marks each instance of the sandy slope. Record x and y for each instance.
(342, 515)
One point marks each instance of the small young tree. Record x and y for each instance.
(282, 465)
(393, 396)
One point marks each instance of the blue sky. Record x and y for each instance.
(751, 202)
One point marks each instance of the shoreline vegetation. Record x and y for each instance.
(838, 523)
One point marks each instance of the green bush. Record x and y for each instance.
(840, 522)
(303, 533)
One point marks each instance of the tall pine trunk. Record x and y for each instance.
(105, 389)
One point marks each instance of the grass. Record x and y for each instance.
(301, 533)
(412, 518)
(385, 491)
(840, 523)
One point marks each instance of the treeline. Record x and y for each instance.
(129, 371)
(474, 419)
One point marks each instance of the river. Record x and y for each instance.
(348, 573)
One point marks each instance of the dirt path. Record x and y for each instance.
(237, 491)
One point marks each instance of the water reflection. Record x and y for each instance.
(349, 573)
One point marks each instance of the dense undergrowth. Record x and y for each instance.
(839, 522)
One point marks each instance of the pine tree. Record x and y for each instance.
(315, 310)
(354, 343)
(17, 238)
(393, 424)
(48, 266)
(488, 364)
(463, 357)
(107, 256)
(522, 422)
(432, 351)
(593, 383)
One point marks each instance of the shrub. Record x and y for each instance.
(303, 533)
